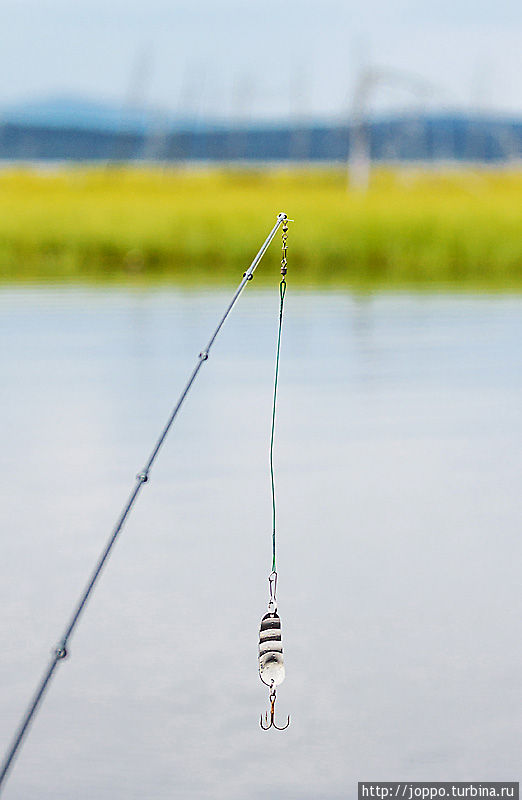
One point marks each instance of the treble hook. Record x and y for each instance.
(272, 724)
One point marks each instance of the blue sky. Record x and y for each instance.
(265, 59)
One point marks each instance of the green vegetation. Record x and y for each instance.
(412, 226)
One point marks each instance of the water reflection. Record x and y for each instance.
(398, 458)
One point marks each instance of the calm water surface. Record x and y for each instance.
(399, 463)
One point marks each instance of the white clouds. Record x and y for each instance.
(90, 47)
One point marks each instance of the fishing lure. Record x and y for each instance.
(271, 665)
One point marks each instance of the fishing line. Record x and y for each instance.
(282, 292)
(60, 652)
(271, 666)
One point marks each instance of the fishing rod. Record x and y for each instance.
(60, 652)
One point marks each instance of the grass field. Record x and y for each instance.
(134, 224)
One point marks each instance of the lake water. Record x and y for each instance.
(399, 464)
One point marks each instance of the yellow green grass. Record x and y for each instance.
(139, 224)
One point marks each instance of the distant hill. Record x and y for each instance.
(85, 114)
(71, 112)
(83, 130)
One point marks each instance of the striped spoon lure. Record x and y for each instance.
(271, 665)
